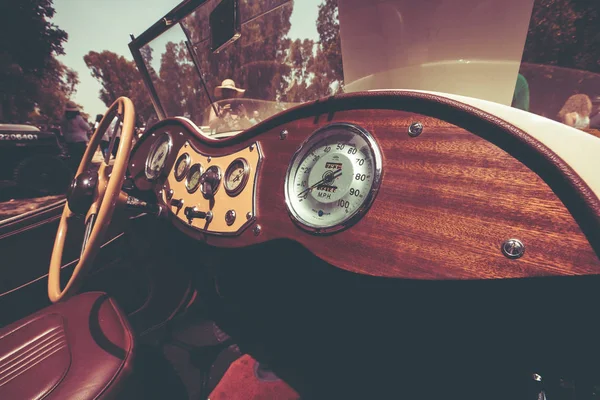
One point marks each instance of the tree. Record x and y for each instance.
(54, 92)
(264, 60)
(29, 43)
(70, 81)
(119, 77)
(317, 67)
(564, 33)
(328, 26)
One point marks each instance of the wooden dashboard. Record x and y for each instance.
(449, 198)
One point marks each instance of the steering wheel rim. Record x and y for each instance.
(105, 196)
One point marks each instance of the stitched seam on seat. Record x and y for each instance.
(32, 346)
(32, 363)
(66, 369)
(16, 328)
(124, 325)
(32, 354)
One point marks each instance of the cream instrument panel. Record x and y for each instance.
(215, 195)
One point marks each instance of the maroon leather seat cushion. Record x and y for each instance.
(78, 349)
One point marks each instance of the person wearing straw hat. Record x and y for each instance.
(232, 115)
(76, 131)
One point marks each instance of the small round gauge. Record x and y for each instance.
(193, 178)
(333, 178)
(181, 166)
(157, 156)
(236, 176)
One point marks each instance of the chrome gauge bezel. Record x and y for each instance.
(228, 172)
(357, 214)
(159, 140)
(185, 157)
(194, 188)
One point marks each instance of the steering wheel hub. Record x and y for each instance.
(80, 195)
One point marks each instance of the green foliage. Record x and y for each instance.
(29, 71)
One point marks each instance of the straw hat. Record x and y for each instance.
(71, 106)
(228, 84)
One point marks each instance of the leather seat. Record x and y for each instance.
(78, 349)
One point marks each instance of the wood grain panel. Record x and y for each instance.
(447, 201)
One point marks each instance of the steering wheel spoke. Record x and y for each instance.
(95, 195)
(89, 226)
(113, 138)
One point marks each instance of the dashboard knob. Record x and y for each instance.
(192, 213)
(210, 181)
(177, 203)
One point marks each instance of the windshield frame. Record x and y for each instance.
(172, 18)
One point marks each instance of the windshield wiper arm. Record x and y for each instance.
(192, 51)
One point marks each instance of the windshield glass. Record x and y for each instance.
(533, 55)
(268, 69)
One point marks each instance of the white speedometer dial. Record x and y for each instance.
(333, 178)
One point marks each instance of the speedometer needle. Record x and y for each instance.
(328, 179)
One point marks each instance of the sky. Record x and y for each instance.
(97, 25)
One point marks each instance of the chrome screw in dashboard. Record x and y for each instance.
(283, 134)
(513, 248)
(170, 194)
(415, 129)
(251, 147)
(257, 230)
(209, 158)
(230, 217)
(248, 215)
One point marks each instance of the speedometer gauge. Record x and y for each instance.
(333, 178)
(157, 156)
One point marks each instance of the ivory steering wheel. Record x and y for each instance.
(94, 195)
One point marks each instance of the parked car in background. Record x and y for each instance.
(33, 159)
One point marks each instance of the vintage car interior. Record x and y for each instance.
(373, 244)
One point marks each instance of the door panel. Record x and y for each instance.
(131, 267)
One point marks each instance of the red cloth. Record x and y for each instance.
(240, 383)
